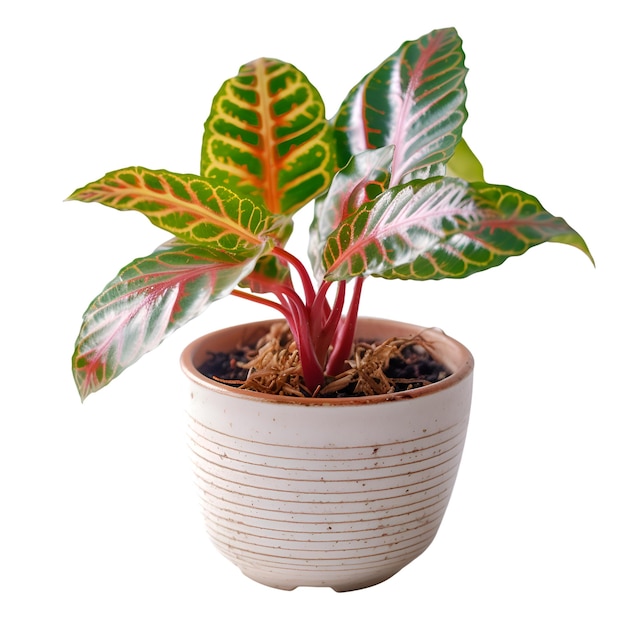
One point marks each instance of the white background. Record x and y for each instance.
(99, 522)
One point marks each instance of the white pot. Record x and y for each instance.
(338, 493)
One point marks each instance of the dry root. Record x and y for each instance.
(274, 367)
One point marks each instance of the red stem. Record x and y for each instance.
(313, 323)
(344, 339)
(296, 314)
(307, 285)
(329, 328)
(284, 311)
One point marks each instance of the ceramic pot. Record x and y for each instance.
(338, 493)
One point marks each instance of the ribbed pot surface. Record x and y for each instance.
(336, 493)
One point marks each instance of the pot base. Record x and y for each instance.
(351, 584)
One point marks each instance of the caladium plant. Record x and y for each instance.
(397, 194)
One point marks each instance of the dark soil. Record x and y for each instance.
(223, 365)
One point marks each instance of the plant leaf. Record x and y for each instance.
(446, 228)
(189, 207)
(414, 100)
(269, 273)
(267, 137)
(364, 178)
(149, 298)
(269, 269)
(464, 164)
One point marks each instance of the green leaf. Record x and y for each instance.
(414, 100)
(267, 137)
(189, 207)
(464, 164)
(445, 228)
(149, 298)
(364, 178)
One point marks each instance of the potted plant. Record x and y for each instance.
(326, 443)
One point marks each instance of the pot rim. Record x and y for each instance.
(460, 372)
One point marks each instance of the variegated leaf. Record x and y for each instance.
(190, 207)
(365, 177)
(268, 274)
(267, 136)
(414, 100)
(269, 270)
(149, 298)
(446, 228)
